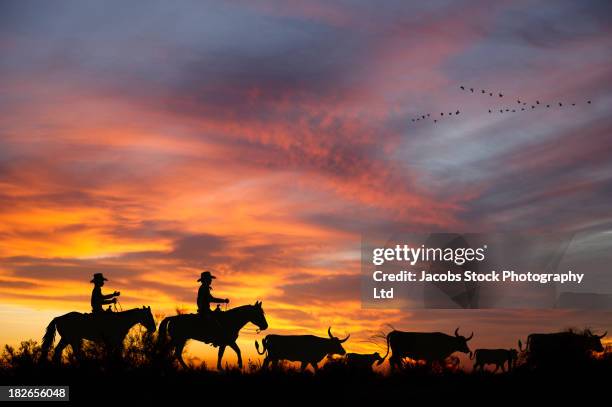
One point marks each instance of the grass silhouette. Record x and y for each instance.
(144, 372)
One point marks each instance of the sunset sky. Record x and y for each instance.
(152, 140)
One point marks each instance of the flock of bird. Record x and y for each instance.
(521, 106)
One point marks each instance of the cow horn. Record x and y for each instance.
(345, 339)
(329, 332)
(469, 337)
(457, 331)
(601, 336)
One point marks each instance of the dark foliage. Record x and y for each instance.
(145, 374)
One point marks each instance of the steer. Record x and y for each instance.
(561, 348)
(428, 346)
(497, 357)
(360, 361)
(307, 349)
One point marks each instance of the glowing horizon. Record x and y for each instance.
(260, 141)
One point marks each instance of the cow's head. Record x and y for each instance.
(335, 344)
(377, 358)
(594, 341)
(461, 342)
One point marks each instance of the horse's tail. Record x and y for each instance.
(48, 338)
(264, 343)
(163, 328)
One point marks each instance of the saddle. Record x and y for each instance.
(103, 316)
(210, 326)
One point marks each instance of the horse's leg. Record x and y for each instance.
(178, 352)
(221, 351)
(57, 353)
(116, 352)
(236, 349)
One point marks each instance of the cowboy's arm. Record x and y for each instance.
(109, 296)
(107, 302)
(221, 300)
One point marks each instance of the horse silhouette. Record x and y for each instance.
(181, 328)
(109, 328)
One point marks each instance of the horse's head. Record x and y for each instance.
(258, 316)
(146, 319)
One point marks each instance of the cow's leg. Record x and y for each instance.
(220, 356)
(393, 362)
(303, 366)
(57, 353)
(315, 366)
(178, 352)
(76, 349)
(265, 363)
(496, 368)
(236, 349)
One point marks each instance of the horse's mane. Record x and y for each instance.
(239, 308)
(131, 310)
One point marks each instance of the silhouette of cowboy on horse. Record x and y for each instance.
(109, 328)
(218, 328)
(97, 298)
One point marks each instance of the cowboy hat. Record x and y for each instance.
(206, 276)
(98, 277)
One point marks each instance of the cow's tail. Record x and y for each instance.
(264, 343)
(48, 338)
(520, 344)
(163, 329)
(386, 354)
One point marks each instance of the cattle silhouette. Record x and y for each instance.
(307, 349)
(109, 328)
(224, 332)
(428, 346)
(362, 362)
(497, 357)
(561, 349)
